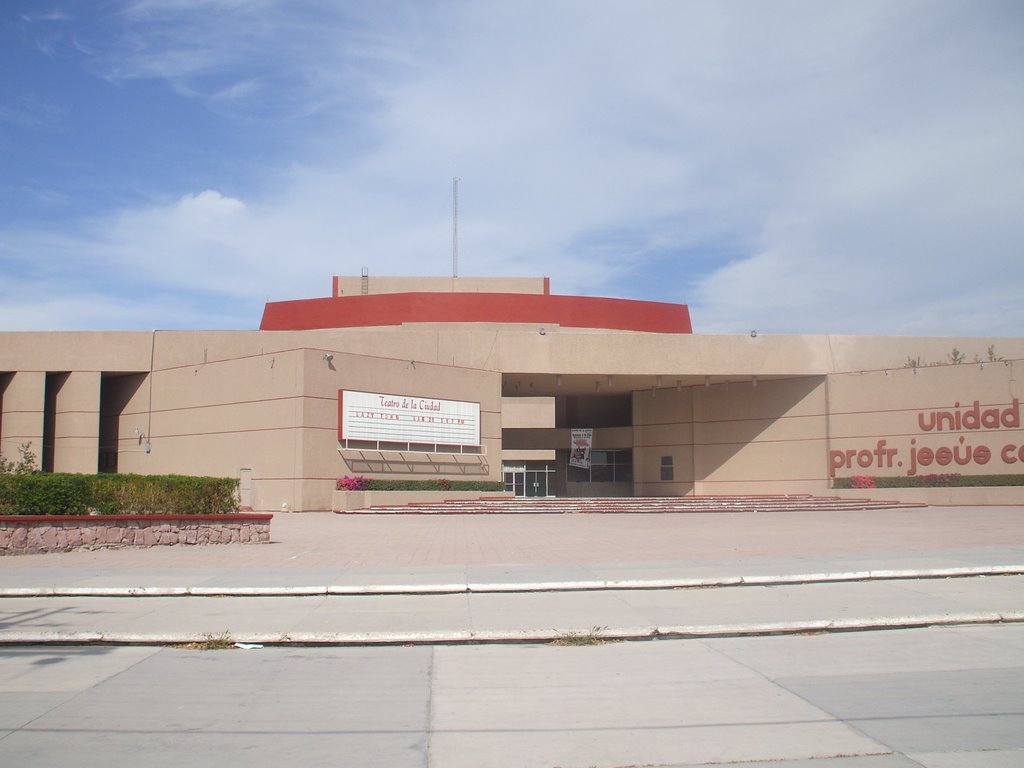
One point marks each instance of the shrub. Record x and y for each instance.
(48, 495)
(68, 494)
(938, 481)
(25, 465)
(358, 483)
(932, 481)
(862, 481)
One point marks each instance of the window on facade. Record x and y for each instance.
(605, 467)
(667, 470)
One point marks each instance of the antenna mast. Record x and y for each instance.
(455, 226)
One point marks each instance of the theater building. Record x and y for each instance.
(499, 379)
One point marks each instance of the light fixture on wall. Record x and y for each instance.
(707, 381)
(753, 381)
(328, 357)
(679, 385)
(558, 380)
(609, 380)
(597, 386)
(657, 381)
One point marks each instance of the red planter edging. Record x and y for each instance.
(51, 518)
(37, 534)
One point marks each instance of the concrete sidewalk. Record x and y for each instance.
(324, 541)
(321, 548)
(332, 578)
(516, 617)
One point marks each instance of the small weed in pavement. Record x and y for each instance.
(221, 642)
(593, 637)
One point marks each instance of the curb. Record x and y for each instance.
(465, 637)
(512, 587)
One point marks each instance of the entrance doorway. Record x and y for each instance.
(529, 480)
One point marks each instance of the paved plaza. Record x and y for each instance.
(941, 688)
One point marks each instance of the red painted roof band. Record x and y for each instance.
(396, 308)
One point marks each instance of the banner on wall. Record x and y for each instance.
(579, 451)
(407, 419)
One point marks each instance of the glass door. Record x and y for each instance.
(528, 480)
(515, 479)
(537, 482)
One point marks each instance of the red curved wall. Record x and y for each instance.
(397, 308)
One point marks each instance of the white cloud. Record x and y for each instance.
(856, 161)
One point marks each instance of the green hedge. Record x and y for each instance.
(67, 494)
(934, 481)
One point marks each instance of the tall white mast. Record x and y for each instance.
(455, 227)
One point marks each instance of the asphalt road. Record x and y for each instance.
(938, 698)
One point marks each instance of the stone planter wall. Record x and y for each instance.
(31, 534)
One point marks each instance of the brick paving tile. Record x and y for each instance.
(325, 540)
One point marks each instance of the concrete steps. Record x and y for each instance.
(640, 505)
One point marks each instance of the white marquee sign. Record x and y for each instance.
(377, 417)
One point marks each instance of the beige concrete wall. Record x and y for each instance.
(75, 351)
(403, 378)
(218, 401)
(220, 405)
(769, 438)
(885, 423)
(663, 426)
(77, 423)
(519, 456)
(533, 413)
(732, 439)
(216, 416)
(353, 285)
(634, 358)
(527, 412)
(584, 358)
(22, 419)
(877, 353)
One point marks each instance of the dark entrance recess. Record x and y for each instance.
(116, 392)
(598, 411)
(52, 387)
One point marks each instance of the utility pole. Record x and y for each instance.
(455, 226)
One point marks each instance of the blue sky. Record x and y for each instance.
(794, 167)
